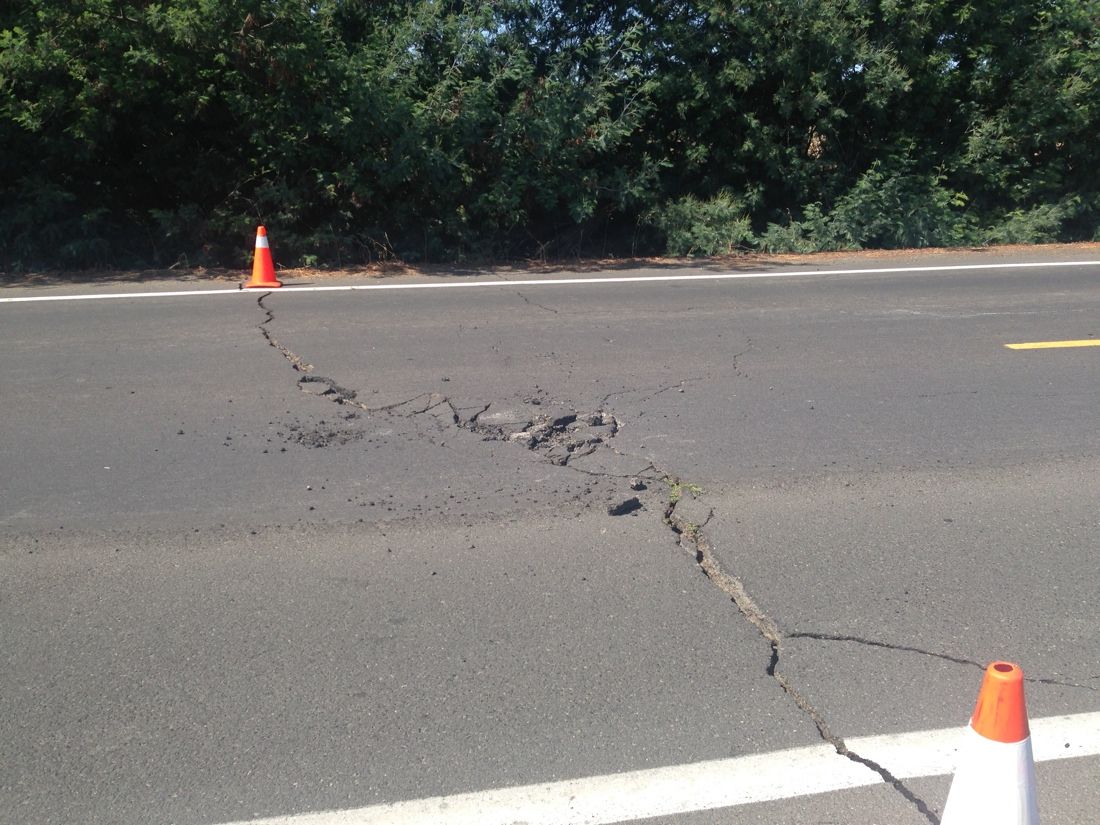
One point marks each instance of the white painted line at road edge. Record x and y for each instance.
(625, 279)
(703, 786)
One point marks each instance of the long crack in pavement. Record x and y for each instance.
(694, 540)
(296, 362)
(958, 660)
(560, 435)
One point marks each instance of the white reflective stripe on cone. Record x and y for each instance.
(261, 242)
(994, 783)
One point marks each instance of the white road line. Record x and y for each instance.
(703, 786)
(626, 279)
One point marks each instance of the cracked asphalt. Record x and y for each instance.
(272, 554)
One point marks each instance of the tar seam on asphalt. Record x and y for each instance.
(531, 303)
(557, 438)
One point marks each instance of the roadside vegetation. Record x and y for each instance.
(139, 133)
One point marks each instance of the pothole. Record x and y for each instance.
(560, 436)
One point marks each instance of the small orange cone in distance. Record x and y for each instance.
(995, 778)
(263, 269)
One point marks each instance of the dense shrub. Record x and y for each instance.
(138, 133)
(717, 226)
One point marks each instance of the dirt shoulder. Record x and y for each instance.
(743, 261)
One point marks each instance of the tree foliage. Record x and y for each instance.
(149, 133)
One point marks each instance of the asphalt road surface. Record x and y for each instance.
(266, 555)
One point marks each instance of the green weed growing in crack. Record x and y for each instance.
(677, 487)
(687, 530)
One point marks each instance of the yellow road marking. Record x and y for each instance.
(1091, 342)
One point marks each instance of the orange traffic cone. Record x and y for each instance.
(995, 778)
(263, 270)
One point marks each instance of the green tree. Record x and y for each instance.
(140, 132)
